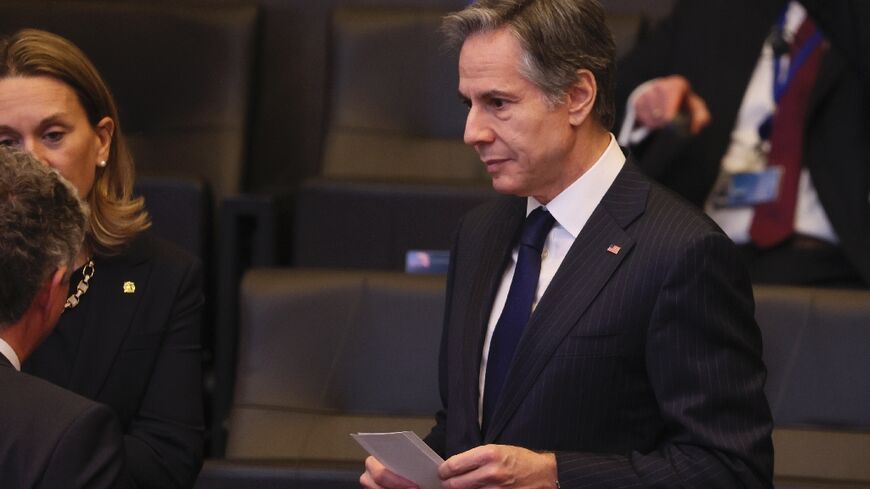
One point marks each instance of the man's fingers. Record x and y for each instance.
(673, 91)
(377, 476)
(465, 462)
(699, 114)
(664, 98)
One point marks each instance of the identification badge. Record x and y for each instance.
(750, 188)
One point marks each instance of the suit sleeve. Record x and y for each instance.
(844, 25)
(164, 439)
(437, 437)
(703, 356)
(89, 454)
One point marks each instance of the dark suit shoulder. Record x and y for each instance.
(638, 202)
(49, 431)
(665, 202)
(33, 391)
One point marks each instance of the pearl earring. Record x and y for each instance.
(101, 163)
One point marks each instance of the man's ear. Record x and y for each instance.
(52, 294)
(581, 97)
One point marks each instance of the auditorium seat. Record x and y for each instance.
(326, 353)
(395, 174)
(180, 211)
(347, 224)
(816, 351)
(323, 354)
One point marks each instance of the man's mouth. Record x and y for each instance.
(493, 164)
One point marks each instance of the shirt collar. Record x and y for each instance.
(9, 353)
(573, 206)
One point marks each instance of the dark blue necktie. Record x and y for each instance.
(517, 307)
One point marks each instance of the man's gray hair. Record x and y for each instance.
(42, 227)
(558, 37)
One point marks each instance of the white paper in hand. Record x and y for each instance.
(405, 454)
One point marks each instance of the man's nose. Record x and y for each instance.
(476, 129)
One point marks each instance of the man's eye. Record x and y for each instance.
(7, 142)
(466, 103)
(498, 103)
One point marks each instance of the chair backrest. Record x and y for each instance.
(373, 225)
(180, 210)
(324, 354)
(181, 74)
(393, 109)
(817, 352)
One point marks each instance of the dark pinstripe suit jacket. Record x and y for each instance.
(639, 369)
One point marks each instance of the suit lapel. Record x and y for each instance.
(501, 228)
(582, 275)
(110, 316)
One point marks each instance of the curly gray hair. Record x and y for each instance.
(42, 227)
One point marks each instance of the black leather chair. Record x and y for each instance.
(323, 354)
(180, 210)
(326, 353)
(817, 351)
(395, 173)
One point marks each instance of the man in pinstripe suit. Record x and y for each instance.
(640, 365)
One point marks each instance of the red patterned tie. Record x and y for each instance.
(774, 221)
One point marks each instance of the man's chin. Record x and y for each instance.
(505, 186)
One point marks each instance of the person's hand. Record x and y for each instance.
(499, 466)
(662, 99)
(377, 476)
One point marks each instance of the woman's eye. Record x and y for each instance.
(54, 136)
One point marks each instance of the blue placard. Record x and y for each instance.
(427, 261)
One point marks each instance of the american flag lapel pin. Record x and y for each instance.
(614, 248)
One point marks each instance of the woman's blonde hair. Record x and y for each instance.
(116, 217)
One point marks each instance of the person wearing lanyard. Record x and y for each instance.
(774, 147)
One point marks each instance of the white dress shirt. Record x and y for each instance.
(10, 354)
(571, 209)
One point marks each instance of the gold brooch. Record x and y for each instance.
(129, 288)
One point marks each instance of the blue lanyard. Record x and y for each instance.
(780, 83)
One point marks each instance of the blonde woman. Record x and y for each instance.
(130, 334)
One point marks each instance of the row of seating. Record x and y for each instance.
(327, 353)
